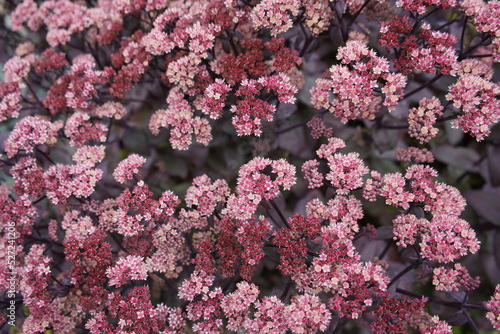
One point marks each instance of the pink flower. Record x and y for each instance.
(311, 174)
(110, 109)
(205, 195)
(128, 167)
(127, 268)
(79, 129)
(421, 120)
(415, 154)
(494, 308)
(346, 172)
(451, 279)
(274, 15)
(252, 181)
(307, 314)
(478, 98)
(198, 283)
(318, 128)
(214, 98)
(30, 132)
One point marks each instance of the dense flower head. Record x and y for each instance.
(494, 308)
(30, 132)
(352, 84)
(179, 116)
(50, 60)
(421, 6)
(414, 154)
(292, 244)
(393, 189)
(311, 174)
(393, 313)
(252, 180)
(63, 181)
(250, 111)
(127, 268)
(205, 195)
(269, 317)
(110, 109)
(10, 98)
(28, 177)
(436, 196)
(327, 150)
(315, 14)
(346, 172)
(307, 314)
(128, 167)
(318, 128)
(16, 69)
(449, 279)
(90, 154)
(406, 229)
(20, 211)
(484, 15)
(275, 15)
(236, 304)
(478, 100)
(34, 280)
(79, 129)
(445, 238)
(198, 283)
(475, 67)
(436, 54)
(250, 235)
(214, 99)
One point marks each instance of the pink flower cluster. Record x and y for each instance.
(62, 181)
(393, 313)
(205, 195)
(251, 110)
(445, 238)
(353, 83)
(436, 54)
(30, 132)
(252, 179)
(318, 128)
(80, 130)
(478, 100)
(311, 174)
(128, 167)
(451, 279)
(414, 154)
(494, 308)
(127, 268)
(421, 120)
(420, 6)
(184, 125)
(275, 15)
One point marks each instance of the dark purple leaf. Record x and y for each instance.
(410, 253)
(496, 248)
(494, 165)
(457, 319)
(485, 203)
(458, 295)
(460, 157)
(384, 232)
